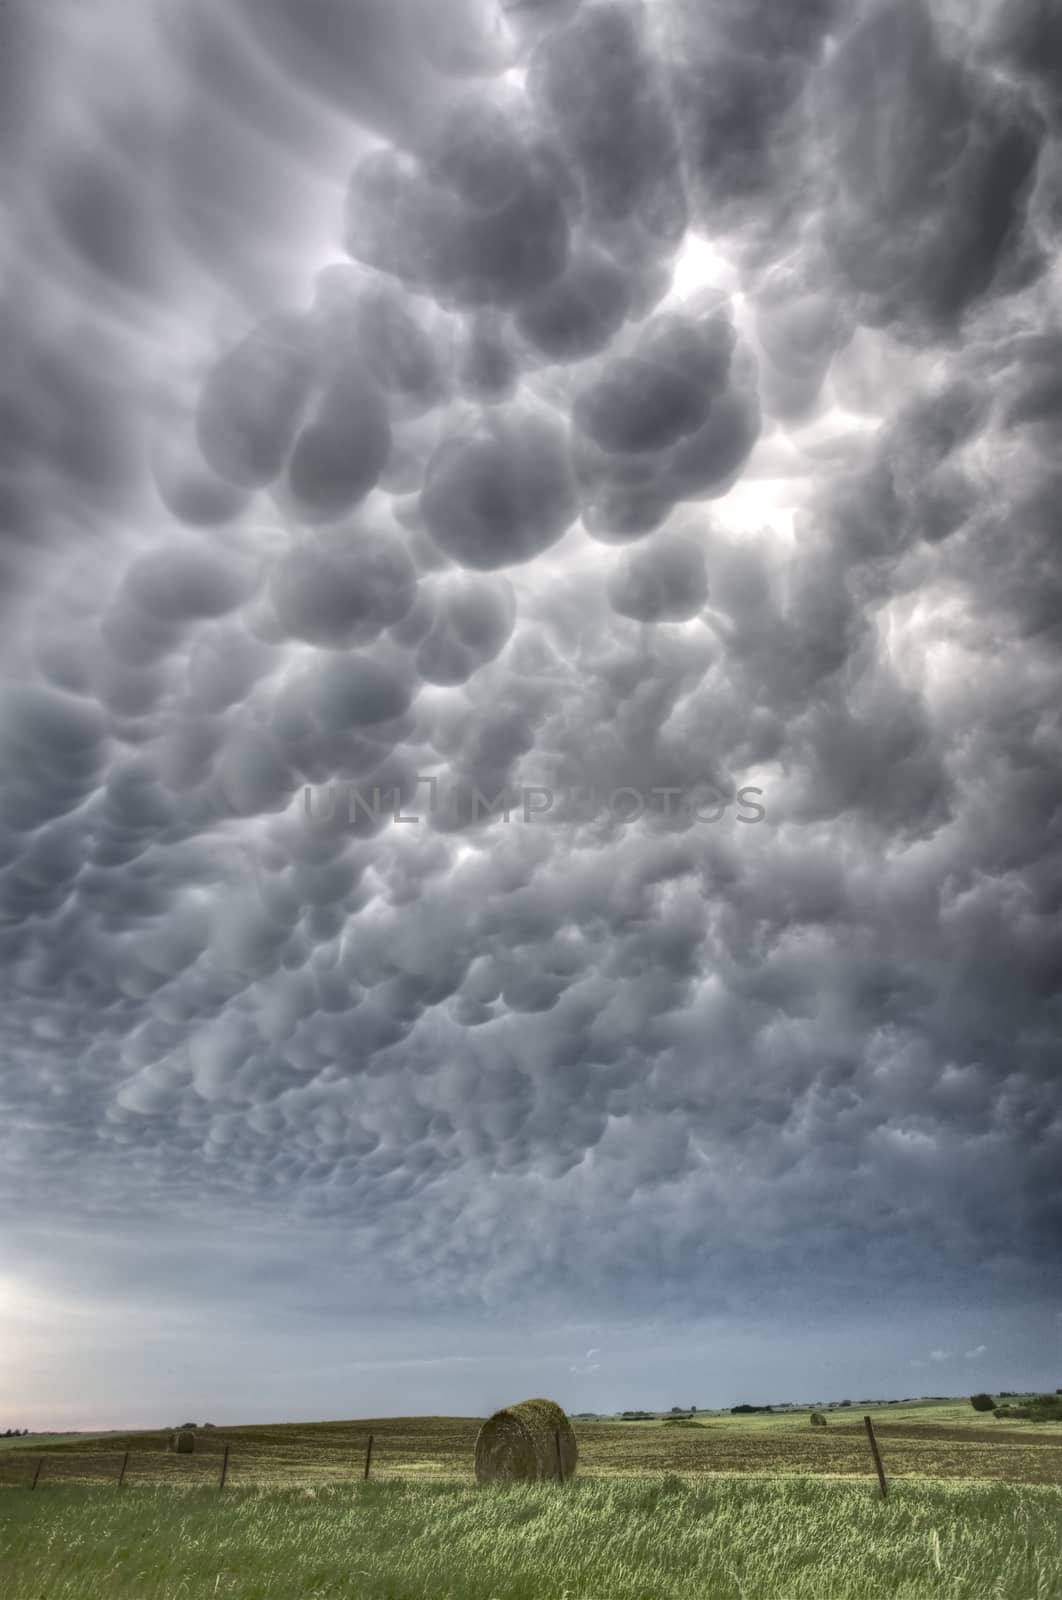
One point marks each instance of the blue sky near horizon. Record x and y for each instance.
(654, 399)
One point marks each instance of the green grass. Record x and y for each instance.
(957, 1413)
(654, 1538)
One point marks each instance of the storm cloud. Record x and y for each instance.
(406, 409)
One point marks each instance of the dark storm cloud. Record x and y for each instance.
(251, 404)
(187, 487)
(491, 230)
(739, 76)
(437, 513)
(675, 420)
(665, 581)
(461, 624)
(369, 322)
(1029, 33)
(600, 85)
(639, 405)
(354, 691)
(664, 391)
(500, 493)
(578, 314)
(935, 162)
(186, 585)
(489, 369)
(339, 598)
(340, 454)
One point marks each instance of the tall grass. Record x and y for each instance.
(658, 1538)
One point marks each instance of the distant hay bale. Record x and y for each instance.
(185, 1445)
(817, 1420)
(519, 1444)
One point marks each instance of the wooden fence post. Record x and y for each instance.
(877, 1457)
(37, 1474)
(560, 1463)
(125, 1463)
(368, 1456)
(224, 1469)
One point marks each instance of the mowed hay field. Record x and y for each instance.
(733, 1508)
(947, 1440)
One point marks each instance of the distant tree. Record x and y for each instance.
(982, 1402)
(1041, 1408)
(693, 1409)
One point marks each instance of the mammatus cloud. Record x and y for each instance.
(365, 422)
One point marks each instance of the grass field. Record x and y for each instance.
(723, 1538)
(756, 1508)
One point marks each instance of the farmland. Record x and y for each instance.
(719, 1509)
(946, 1440)
(657, 1537)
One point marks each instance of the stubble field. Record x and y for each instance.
(753, 1508)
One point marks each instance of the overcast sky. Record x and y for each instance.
(554, 403)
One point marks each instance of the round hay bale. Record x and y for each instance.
(817, 1420)
(185, 1443)
(519, 1444)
